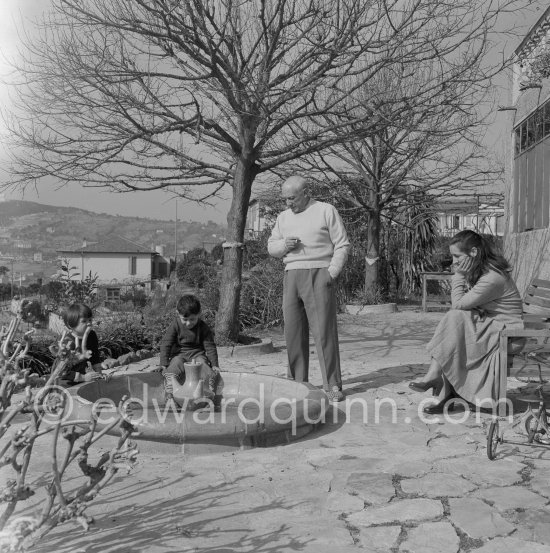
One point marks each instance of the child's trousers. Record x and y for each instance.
(177, 367)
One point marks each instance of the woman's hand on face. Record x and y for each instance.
(465, 265)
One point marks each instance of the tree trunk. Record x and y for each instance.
(227, 318)
(372, 261)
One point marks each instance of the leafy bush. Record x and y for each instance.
(40, 359)
(209, 297)
(32, 311)
(134, 297)
(68, 289)
(262, 295)
(126, 334)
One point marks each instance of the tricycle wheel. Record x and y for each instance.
(531, 426)
(492, 440)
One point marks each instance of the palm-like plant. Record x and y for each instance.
(414, 237)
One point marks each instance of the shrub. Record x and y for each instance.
(210, 298)
(32, 311)
(262, 295)
(197, 274)
(67, 492)
(39, 359)
(126, 334)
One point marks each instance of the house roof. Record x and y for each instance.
(112, 244)
(468, 206)
(534, 35)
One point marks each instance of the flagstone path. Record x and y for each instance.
(376, 477)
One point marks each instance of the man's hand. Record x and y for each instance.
(292, 242)
(159, 369)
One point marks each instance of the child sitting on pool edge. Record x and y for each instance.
(188, 338)
(78, 318)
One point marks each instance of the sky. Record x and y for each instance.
(16, 15)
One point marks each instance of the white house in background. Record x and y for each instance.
(118, 263)
(255, 222)
(459, 214)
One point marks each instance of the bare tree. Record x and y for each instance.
(193, 95)
(428, 143)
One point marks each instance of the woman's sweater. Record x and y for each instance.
(494, 293)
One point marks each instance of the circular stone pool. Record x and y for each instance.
(251, 411)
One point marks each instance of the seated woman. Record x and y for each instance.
(465, 345)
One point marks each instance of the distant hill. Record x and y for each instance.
(27, 228)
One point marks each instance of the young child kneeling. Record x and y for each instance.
(188, 338)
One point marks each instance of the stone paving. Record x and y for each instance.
(370, 479)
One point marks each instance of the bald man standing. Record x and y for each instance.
(311, 239)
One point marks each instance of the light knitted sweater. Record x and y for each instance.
(496, 294)
(323, 238)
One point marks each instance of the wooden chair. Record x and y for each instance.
(517, 346)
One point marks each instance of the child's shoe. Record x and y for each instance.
(169, 390)
(213, 381)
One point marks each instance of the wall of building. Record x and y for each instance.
(111, 267)
(527, 250)
(161, 267)
(529, 253)
(255, 223)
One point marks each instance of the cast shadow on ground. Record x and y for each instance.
(383, 377)
(389, 332)
(171, 523)
(386, 333)
(522, 449)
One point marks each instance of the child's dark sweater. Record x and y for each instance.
(92, 344)
(188, 341)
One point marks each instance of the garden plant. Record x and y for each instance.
(71, 444)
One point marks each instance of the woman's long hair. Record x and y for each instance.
(487, 257)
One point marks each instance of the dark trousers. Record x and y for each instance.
(177, 366)
(309, 301)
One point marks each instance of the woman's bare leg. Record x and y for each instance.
(446, 389)
(434, 372)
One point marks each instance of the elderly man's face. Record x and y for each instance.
(295, 198)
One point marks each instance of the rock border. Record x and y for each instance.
(265, 347)
(368, 309)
